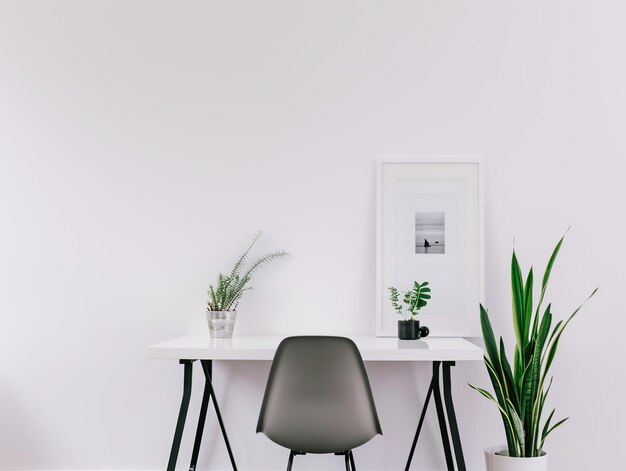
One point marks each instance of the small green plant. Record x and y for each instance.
(413, 300)
(229, 289)
(521, 391)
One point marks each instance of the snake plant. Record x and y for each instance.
(520, 391)
(414, 300)
(229, 289)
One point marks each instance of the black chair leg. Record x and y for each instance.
(352, 460)
(348, 459)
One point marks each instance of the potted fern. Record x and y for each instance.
(520, 390)
(413, 300)
(224, 297)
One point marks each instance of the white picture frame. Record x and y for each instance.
(439, 199)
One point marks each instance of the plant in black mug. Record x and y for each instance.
(409, 307)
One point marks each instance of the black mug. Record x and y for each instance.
(411, 330)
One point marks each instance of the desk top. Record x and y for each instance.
(203, 347)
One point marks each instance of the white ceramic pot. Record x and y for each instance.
(221, 323)
(498, 459)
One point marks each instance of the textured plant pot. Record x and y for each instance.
(497, 459)
(221, 323)
(411, 330)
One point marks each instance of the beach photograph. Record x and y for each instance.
(430, 233)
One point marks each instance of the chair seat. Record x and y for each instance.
(310, 430)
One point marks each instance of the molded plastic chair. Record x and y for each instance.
(318, 398)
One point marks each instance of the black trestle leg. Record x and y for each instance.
(352, 460)
(182, 414)
(421, 420)
(347, 461)
(290, 462)
(454, 429)
(207, 367)
(443, 428)
(199, 431)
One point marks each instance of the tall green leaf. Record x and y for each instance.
(545, 435)
(512, 442)
(490, 340)
(532, 389)
(517, 288)
(508, 425)
(548, 270)
(507, 375)
(518, 369)
(527, 312)
(518, 429)
(554, 343)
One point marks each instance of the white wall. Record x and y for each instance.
(142, 143)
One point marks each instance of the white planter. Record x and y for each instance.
(497, 459)
(221, 323)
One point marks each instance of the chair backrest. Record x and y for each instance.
(318, 397)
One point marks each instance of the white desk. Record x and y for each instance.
(442, 352)
(200, 347)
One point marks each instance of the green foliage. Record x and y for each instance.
(519, 392)
(413, 300)
(229, 289)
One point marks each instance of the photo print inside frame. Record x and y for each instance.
(430, 233)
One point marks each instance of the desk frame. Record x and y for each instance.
(209, 393)
(447, 421)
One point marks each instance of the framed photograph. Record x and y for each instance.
(429, 227)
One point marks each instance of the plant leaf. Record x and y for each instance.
(554, 343)
(490, 341)
(507, 375)
(527, 312)
(548, 270)
(517, 287)
(518, 428)
(551, 429)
